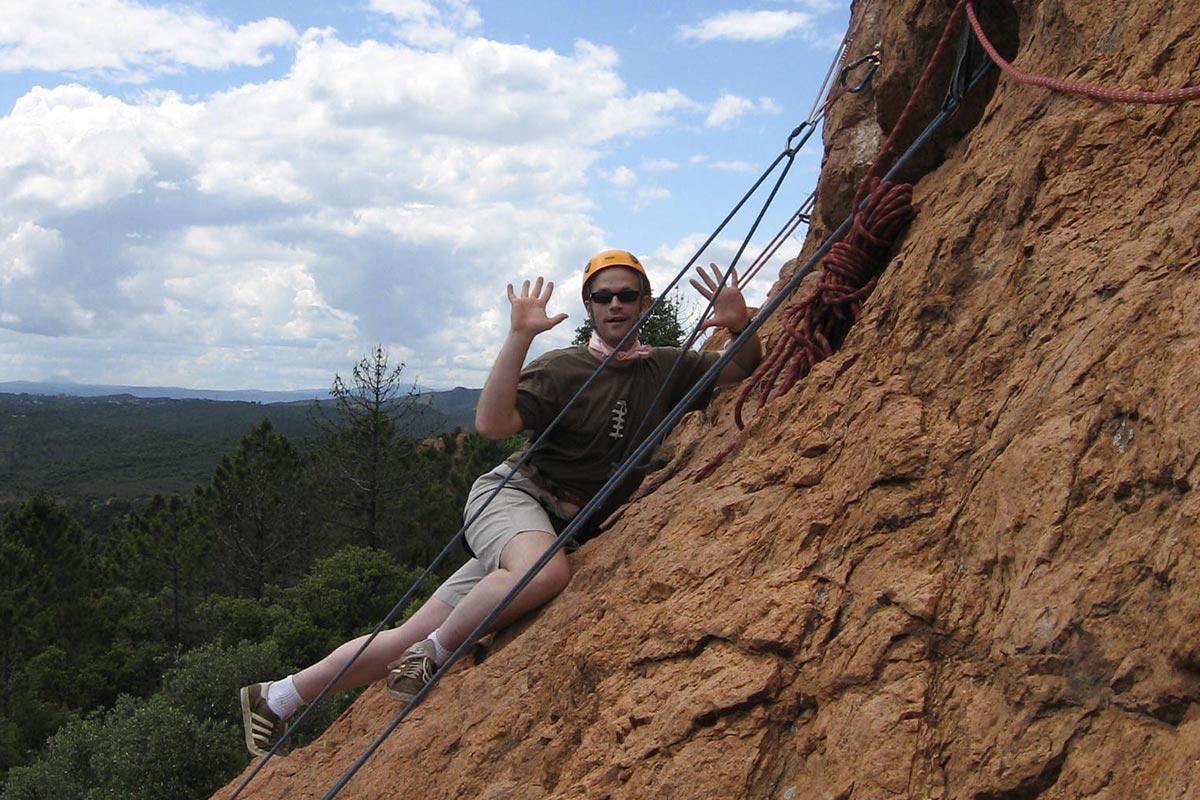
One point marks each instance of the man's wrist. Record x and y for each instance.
(521, 337)
(740, 330)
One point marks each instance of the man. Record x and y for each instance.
(513, 530)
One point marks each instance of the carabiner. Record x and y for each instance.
(791, 149)
(871, 58)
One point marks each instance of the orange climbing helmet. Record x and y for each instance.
(614, 258)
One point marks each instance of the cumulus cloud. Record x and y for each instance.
(423, 23)
(130, 41)
(733, 166)
(648, 195)
(731, 108)
(748, 26)
(622, 176)
(377, 192)
(630, 188)
(659, 165)
(374, 191)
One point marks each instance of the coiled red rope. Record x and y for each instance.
(817, 325)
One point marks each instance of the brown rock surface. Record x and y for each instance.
(959, 560)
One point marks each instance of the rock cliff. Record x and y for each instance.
(958, 560)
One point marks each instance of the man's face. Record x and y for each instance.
(614, 319)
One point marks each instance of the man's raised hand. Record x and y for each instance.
(528, 315)
(729, 309)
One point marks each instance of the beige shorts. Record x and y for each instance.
(520, 506)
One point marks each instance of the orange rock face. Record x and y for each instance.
(960, 559)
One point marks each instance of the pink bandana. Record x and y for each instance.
(601, 349)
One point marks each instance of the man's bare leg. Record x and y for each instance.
(519, 555)
(372, 665)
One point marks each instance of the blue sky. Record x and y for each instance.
(231, 195)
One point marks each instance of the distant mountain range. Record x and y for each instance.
(62, 388)
(101, 448)
(442, 410)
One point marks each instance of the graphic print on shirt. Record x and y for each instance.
(618, 420)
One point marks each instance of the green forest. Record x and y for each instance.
(149, 570)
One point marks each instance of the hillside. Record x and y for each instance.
(98, 453)
(959, 559)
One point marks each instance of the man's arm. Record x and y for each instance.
(729, 311)
(496, 416)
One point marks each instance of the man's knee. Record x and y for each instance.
(552, 578)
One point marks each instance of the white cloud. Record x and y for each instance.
(720, 252)
(730, 108)
(727, 109)
(733, 166)
(748, 26)
(623, 177)
(631, 190)
(375, 193)
(382, 191)
(130, 41)
(425, 23)
(32, 257)
(24, 249)
(68, 148)
(651, 194)
(659, 165)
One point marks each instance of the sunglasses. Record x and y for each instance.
(625, 296)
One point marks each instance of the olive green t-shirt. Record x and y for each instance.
(579, 454)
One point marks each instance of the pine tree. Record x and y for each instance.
(259, 508)
(369, 463)
(161, 553)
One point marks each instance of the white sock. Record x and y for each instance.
(440, 654)
(283, 699)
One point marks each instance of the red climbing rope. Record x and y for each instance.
(850, 270)
(1101, 93)
(888, 145)
(817, 325)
